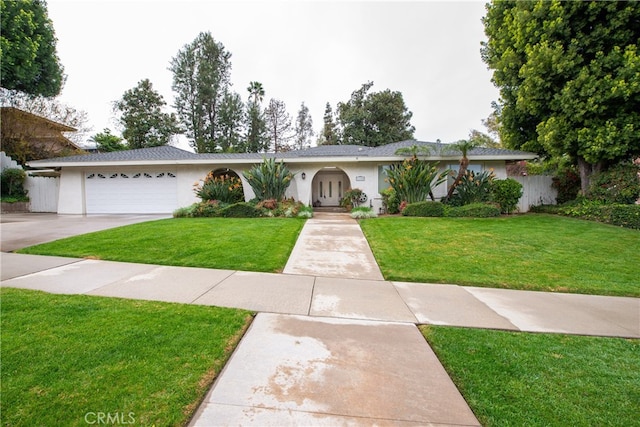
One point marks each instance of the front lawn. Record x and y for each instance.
(68, 359)
(524, 379)
(534, 252)
(262, 244)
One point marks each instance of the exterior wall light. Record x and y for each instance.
(304, 175)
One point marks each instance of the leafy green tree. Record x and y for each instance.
(107, 142)
(374, 119)
(304, 127)
(144, 122)
(279, 127)
(29, 62)
(201, 78)
(569, 79)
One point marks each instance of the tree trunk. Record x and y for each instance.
(464, 163)
(586, 171)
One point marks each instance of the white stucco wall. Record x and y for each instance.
(71, 192)
(71, 196)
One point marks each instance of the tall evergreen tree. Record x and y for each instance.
(231, 122)
(28, 59)
(569, 78)
(329, 134)
(201, 78)
(303, 127)
(279, 128)
(144, 122)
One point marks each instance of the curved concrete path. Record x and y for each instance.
(327, 350)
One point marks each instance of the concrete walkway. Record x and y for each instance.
(326, 349)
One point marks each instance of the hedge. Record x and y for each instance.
(627, 216)
(424, 209)
(475, 210)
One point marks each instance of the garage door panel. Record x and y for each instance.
(131, 192)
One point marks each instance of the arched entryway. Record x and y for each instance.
(328, 187)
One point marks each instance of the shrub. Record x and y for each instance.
(623, 215)
(305, 212)
(225, 188)
(12, 183)
(619, 184)
(390, 200)
(424, 209)
(507, 193)
(269, 204)
(616, 214)
(414, 179)
(567, 183)
(475, 210)
(472, 188)
(269, 180)
(240, 210)
(363, 212)
(353, 198)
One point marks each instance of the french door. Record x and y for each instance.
(330, 190)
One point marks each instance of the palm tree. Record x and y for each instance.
(256, 91)
(463, 146)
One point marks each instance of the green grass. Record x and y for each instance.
(66, 356)
(518, 379)
(236, 244)
(534, 252)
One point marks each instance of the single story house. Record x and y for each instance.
(161, 179)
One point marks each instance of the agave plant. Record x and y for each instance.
(269, 180)
(414, 180)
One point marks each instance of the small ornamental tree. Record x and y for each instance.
(507, 193)
(269, 180)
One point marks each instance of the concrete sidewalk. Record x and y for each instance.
(335, 343)
(374, 300)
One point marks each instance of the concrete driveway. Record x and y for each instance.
(18, 231)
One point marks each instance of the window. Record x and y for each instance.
(382, 176)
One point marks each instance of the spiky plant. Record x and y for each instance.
(269, 180)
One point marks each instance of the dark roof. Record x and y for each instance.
(163, 152)
(169, 153)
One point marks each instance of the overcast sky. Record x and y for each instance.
(301, 51)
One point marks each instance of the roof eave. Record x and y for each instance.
(251, 161)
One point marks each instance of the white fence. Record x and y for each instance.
(536, 190)
(43, 193)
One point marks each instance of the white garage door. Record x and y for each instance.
(131, 192)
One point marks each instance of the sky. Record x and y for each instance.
(301, 51)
